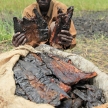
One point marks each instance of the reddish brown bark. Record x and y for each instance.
(35, 29)
(68, 73)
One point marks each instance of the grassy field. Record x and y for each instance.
(19, 5)
(94, 50)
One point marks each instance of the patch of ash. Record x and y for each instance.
(88, 23)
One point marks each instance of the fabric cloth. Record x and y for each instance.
(102, 106)
(7, 82)
(82, 64)
(54, 5)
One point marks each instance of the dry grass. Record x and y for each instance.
(95, 50)
(5, 45)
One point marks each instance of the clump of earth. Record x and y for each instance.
(88, 23)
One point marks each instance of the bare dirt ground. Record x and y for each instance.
(91, 23)
(92, 38)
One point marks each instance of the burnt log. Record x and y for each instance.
(35, 29)
(62, 23)
(90, 94)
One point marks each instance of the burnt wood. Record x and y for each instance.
(62, 23)
(44, 78)
(37, 83)
(35, 29)
(64, 71)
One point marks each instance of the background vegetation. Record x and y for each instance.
(94, 50)
(9, 9)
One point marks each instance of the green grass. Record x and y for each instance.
(19, 5)
(90, 5)
(14, 5)
(6, 26)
